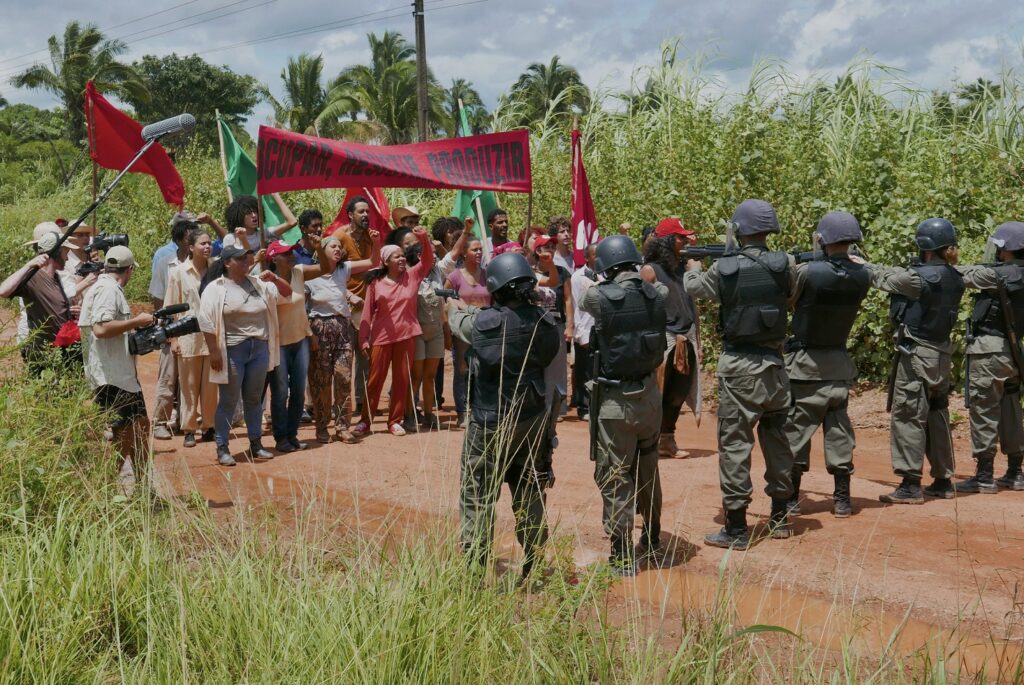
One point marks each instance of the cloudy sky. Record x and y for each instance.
(490, 42)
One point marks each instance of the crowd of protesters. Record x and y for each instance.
(292, 333)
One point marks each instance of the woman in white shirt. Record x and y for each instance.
(330, 372)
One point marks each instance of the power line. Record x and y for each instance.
(162, 30)
(109, 28)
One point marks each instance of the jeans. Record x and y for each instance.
(247, 373)
(288, 389)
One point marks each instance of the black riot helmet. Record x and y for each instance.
(934, 234)
(508, 268)
(616, 250)
(839, 227)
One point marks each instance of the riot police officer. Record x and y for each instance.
(925, 299)
(629, 343)
(828, 296)
(511, 344)
(993, 373)
(753, 285)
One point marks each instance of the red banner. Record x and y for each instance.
(584, 221)
(291, 161)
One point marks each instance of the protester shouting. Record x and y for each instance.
(470, 283)
(389, 328)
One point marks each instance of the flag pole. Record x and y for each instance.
(95, 172)
(223, 159)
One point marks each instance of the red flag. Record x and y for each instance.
(114, 138)
(584, 222)
(380, 212)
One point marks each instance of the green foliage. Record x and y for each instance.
(379, 99)
(545, 89)
(867, 143)
(35, 158)
(476, 113)
(191, 84)
(83, 54)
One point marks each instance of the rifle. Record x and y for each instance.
(1011, 330)
(968, 338)
(699, 252)
(901, 348)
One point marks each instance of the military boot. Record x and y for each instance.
(649, 550)
(1014, 477)
(793, 505)
(841, 507)
(622, 562)
(734, 535)
(981, 481)
(941, 488)
(779, 522)
(908, 492)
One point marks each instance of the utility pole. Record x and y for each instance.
(421, 70)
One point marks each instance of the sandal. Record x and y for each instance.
(396, 429)
(346, 437)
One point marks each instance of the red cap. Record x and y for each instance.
(672, 226)
(542, 240)
(278, 247)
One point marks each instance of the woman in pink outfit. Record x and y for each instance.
(389, 328)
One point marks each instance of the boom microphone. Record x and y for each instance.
(183, 123)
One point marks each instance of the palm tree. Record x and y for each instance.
(304, 97)
(476, 113)
(83, 55)
(377, 101)
(538, 88)
(3, 101)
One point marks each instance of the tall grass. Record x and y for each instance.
(95, 587)
(869, 142)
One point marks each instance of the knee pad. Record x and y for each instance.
(937, 402)
(648, 446)
(1012, 388)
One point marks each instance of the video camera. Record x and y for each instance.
(89, 267)
(145, 340)
(105, 241)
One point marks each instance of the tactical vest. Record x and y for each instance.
(753, 291)
(629, 330)
(932, 316)
(987, 315)
(510, 349)
(829, 302)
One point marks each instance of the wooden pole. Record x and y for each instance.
(529, 212)
(421, 70)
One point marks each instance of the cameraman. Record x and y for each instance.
(106, 321)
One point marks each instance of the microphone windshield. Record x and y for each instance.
(181, 124)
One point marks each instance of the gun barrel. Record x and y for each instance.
(699, 252)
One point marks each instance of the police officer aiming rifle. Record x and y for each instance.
(625, 403)
(753, 285)
(993, 360)
(828, 295)
(511, 344)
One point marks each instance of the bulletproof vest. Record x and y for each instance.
(932, 316)
(629, 329)
(987, 315)
(753, 290)
(829, 302)
(510, 349)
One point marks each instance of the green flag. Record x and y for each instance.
(466, 200)
(241, 179)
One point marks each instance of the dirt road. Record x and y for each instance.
(952, 564)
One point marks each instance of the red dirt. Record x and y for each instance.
(952, 569)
